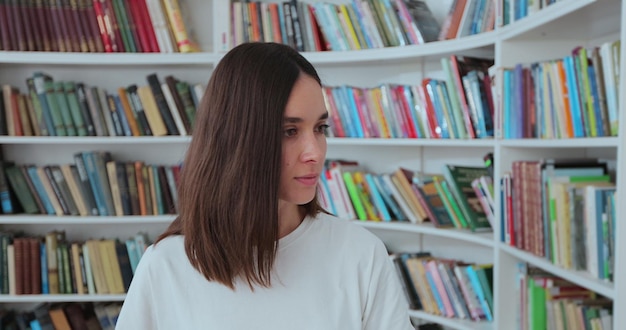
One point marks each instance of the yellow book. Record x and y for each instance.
(179, 30)
(115, 187)
(152, 111)
(366, 195)
(374, 98)
(344, 18)
(114, 264)
(78, 274)
(96, 267)
(66, 169)
(404, 176)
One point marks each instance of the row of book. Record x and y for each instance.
(455, 199)
(457, 107)
(573, 96)
(513, 10)
(68, 108)
(95, 26)
(446, 287)
(549, 302)
(325, 26)
(63, 316)
(52, 264)
(94, 184)
(562, 210)
(468, 17)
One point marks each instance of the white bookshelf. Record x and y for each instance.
(547, 34)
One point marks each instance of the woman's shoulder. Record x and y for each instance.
(347, 229)
(169, 248)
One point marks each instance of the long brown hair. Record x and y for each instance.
(228, 189)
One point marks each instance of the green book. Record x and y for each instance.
(354, 196)
(459, 179)
(18, 183)
(72, 102)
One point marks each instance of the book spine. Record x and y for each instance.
(164, 110)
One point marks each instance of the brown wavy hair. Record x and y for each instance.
(228, 189)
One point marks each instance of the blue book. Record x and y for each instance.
(377, 198)
(354, 112)
(122, 116)
(441, 120)
(43, 257)
(435, 292)
(387, 196)
(133, 256)
(331, 203)
(475, 282)
(89, 159)
(574, 97)
(39, 79)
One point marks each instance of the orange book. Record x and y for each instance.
(130, 117)
(567, 112)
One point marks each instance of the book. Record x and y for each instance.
(460, 178)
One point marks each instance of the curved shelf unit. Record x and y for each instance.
(88, 220)
(581, 278)
(412, 142)
(142, 59)
(561, 143)
(94, 139)
(563, 19)
(457, 324)
(471, 45)
(484, 238)
(36, 298)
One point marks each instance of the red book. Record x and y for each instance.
(112, 27)
(34, 26)
(89, 25)
(81, 34)
(5, 37)
(35, 266)
(406, 111)
(27, 25)
(334, 114)
(142, 34)
(147, 25)
(107, 41)
(72, 32)
(65, 29)
(320, 43)
(55, 23)
(44, 25)
(125, 6)
(430, 110)
(15, 16)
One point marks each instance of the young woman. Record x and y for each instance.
(251, 247)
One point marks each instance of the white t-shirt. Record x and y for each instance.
(328, 274)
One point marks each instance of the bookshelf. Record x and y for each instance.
(550, 33)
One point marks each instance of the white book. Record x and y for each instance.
(171, 104)
(159, 24)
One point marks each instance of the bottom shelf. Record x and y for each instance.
(458, 324)
(39, 298)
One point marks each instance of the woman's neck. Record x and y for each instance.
(289, 218)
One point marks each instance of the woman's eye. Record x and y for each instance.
(322, 128)
(291, 132)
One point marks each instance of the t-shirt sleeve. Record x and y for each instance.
(138, 310)
(386, 307)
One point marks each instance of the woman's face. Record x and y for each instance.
(304, 142)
